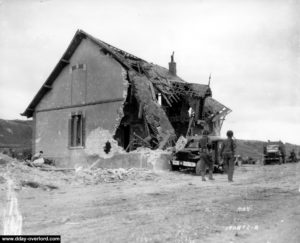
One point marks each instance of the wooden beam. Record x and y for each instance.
(139, 68)
(173, 97)
(166, 99)
(140, 111)
(218, 116)
(197, 109)
(146, 127)
(152, 91)
(190, 126)
(119, 58)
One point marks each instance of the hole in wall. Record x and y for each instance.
(107, 147)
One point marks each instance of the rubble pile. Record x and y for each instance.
(25, 176)
(102, 175)
(5, 159)
(50, 177)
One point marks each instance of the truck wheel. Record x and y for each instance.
(198, 167)
(174, 167)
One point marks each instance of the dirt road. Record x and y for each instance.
(262, 205)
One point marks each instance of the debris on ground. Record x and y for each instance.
(39, 177)
(2, 180)
(101, 175)
(34, 184)
(5, 159)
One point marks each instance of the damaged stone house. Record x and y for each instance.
(99, 99)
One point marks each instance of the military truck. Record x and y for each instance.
(274, 153)
(189, 156)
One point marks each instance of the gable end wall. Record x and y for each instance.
(100, 99)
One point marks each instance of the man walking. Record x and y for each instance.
(227, 153)
(205, 158)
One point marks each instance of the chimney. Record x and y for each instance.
(172, 65)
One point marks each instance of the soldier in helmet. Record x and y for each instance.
(205, 158)
(227, 153)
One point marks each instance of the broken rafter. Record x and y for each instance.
(139, 67)
(186, 89)
(173, 97)
(140, 111)
(162, 91)
(166, 99)
(117, 56)
(222, 113)
(190, 126)
(146, 127)
(140, 138)
(137, 141)
(170, 98)
(177, 97)
(152, 91)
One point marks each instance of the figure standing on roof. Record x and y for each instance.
(227, 154)
(205, 158)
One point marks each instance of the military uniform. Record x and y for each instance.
(205, 158)
(227, 153)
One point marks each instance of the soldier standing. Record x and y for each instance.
(205, 158)
(227, 153)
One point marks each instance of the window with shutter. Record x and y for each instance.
(76, 130)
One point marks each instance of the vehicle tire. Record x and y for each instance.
(174, 167)
(198, 167)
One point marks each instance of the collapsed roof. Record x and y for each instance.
(149, 81)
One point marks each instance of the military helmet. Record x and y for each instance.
(205, 132)
(229, 133)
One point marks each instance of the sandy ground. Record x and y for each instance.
(262, 205)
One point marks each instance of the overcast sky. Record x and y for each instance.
(252, 49)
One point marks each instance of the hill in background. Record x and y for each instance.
(15, 134)
(254, 149)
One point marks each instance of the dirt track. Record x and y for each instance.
(262, 205)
